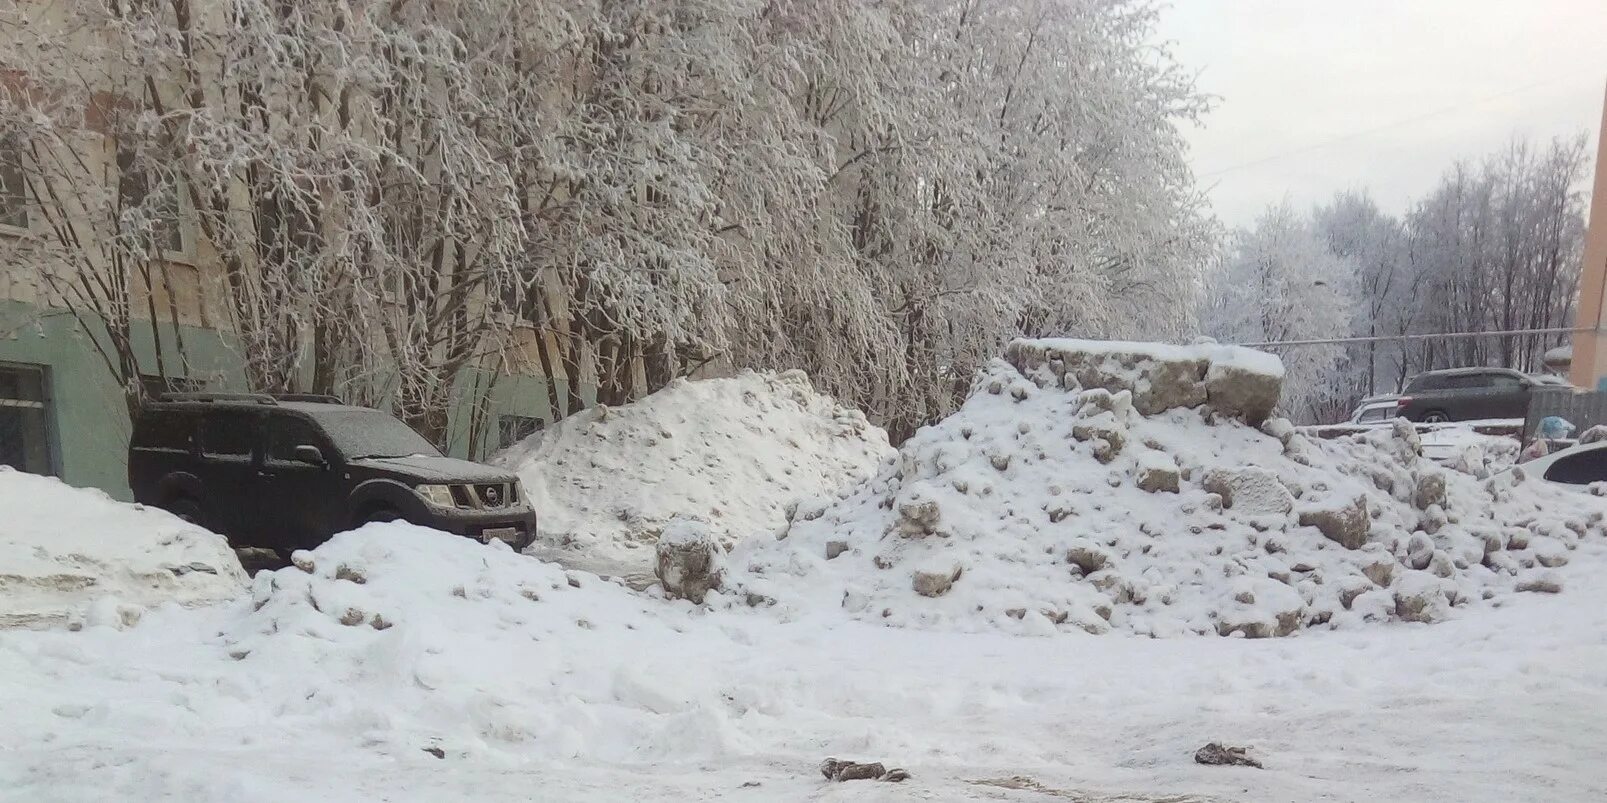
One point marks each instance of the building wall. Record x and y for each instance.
(1589, 365)
(89, 419)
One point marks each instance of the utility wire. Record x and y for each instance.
(1436, 336)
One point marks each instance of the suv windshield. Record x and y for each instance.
(371, 433)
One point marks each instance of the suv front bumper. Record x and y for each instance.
(486, 525)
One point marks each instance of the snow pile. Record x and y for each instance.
(407, 640)
(72, 556)
(1468, 451)
(1049, 502)
(733, 452)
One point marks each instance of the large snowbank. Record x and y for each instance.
(732, 452)
(400, 664)
(69, 555)
(1047, 503)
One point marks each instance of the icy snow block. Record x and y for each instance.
(1250, 490)
(1346, 525)
(1242, 391)
(688, 560)
(1159, 376)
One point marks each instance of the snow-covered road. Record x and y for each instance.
(599, 694)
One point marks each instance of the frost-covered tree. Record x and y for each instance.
(401, 192)
(1280, 282)
(1373, 245)
(1497, 247)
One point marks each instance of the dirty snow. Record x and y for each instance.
(400, 645)
(69, 555)
(1245, 359)
(733, 452)
(1267, 534)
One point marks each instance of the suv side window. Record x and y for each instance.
(166, 430)
(1504, 382)
(1580, 469)
(228, 433)
(285, 433)
(1425, 382)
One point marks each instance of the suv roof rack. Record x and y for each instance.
(320, 398)
(255, 398)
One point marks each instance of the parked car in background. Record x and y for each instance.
(286, 473)
(1466, 394)
(1376, 410)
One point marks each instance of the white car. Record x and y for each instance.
(1376, 410)
(1577, 466)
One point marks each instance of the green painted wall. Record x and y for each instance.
(88, 416)
(90, 421)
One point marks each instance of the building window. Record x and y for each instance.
(161, 199)
(25, 419)
(13, 185)
(514, 428)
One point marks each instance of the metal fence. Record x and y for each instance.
(1583, 409)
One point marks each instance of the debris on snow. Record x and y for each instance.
(1216, 754)
(1263, 534)
(839, 770)
(738, 453)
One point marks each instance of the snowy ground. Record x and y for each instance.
(533, 688)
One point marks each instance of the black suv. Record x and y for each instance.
(287, 472)
(1466, 394)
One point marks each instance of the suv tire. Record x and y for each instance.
(187, 509)
(1435, 417)
(381, 514)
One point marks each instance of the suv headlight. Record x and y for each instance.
(438, 495)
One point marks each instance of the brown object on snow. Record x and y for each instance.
(838, 770)
(1217, 754)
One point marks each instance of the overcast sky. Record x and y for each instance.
(1317, 96)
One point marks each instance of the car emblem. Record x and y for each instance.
(491, 495)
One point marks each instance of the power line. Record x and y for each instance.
(1404, 338)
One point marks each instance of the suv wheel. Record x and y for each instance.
(381, 514)
(1436, 417)
(187, 509)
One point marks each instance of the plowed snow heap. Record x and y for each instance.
(733, 453)
(71, 556)
(1090, 485)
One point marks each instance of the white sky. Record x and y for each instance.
(1317, 96)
